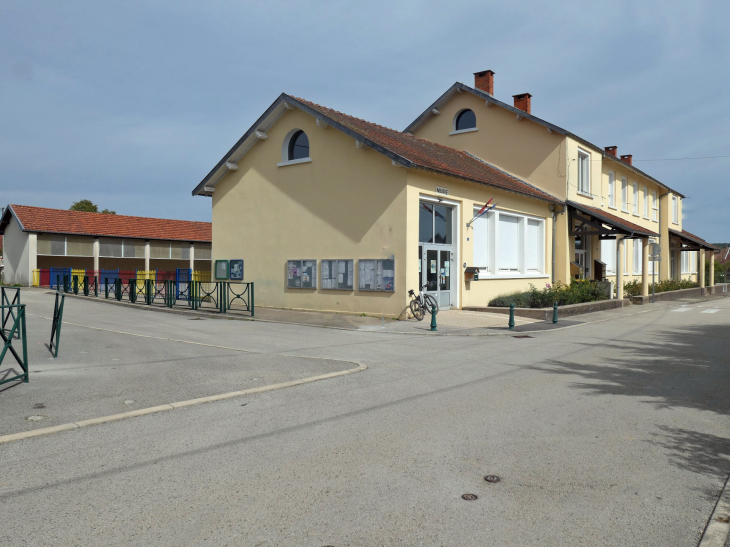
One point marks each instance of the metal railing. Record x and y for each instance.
(17, 311)
(10, 300)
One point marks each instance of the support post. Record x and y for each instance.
(147, 255)
(644, 266)
(711, 281)
(702, 268)
(96, 254)
(433, 319)
(192, 256)
(619, 268)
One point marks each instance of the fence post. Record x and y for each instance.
(511, 323)
(86, 285)
(555, 312)
(76, 284)
(251, 298)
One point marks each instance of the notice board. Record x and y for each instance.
(338, 274)
(301, 274)
(376, 275)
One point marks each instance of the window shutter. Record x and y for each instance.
(481, 242)
(509, 244)
(636, 198)
(608, 255)
(533, 246)
(638, 263)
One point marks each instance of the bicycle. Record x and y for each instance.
(422, 303)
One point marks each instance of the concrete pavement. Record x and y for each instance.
(611, 433)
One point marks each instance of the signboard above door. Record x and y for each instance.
(441, 190)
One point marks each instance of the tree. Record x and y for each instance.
(87, 206)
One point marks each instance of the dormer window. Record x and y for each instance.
(465, 121)
(295, 148)
(298, 146)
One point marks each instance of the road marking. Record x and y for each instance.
(712, 310)
(718, 527)
(682, 309)
(173, 406)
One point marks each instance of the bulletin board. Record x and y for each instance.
(376, 275)
(221, 269)
(338, 274)
(301, 274)
(236, 269)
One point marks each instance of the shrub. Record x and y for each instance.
(633, 288)
(520, 299)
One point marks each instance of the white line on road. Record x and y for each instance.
(712, 310)
(682, 309)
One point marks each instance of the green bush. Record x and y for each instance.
(633, 288)
(519, 299)
(577, 292)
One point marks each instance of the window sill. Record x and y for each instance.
(613, 207)
(294, 162)
(584, 194)
(636, 215)
(625, 211)
(486, 277)
(675, 223)
(460, 131)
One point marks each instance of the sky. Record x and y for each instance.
(131, 104)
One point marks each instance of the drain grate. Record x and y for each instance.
(492, 478)
(523, 336)
(469, 497)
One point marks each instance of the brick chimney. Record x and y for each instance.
(612, 151)
(522, 101)
(484, 81)
(627, 158)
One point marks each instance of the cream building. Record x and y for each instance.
(331, 212)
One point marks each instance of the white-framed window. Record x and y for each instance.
(646, 203)
(635, 205)
(295, 148)
(611, 189)
(509, 245)
(638, 262)
(624, 195)
(675, 210)
(685, 261)
(689, 262)
(654, 207)
(608, 255)
(584, 172)
(464, 122)
(625, 245)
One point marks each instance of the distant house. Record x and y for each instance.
(40, 238)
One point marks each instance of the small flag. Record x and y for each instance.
(481, 211)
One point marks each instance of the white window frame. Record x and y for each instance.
(624, 195)
(285, 149)
(486, 220)
(492, 269)
(654, 206)
(675, 210)
(635, 205)
(455, 131)
(609, 243)
(638, 261)
(625, 245)
(611, 190)
(584, 175)
(646, 203)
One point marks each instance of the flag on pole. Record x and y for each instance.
(481, 211)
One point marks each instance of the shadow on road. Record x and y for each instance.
(687, 367)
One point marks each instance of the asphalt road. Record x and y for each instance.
(610, 433)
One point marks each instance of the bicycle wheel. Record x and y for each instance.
(417, 310)
(430, 304)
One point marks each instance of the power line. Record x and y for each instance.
(682, 159)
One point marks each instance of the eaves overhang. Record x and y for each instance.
(691, 240)
(616, 224)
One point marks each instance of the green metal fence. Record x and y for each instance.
(57, 322)
(17, 312)
(7, 298)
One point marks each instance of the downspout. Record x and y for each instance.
(552, 250)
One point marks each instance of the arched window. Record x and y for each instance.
(298, 146)
(466, 119)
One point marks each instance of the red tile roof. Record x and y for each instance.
(61, 221)
(684, 234)
(432, 156)
(613, 220)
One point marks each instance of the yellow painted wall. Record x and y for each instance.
(468, 195)
(523, 148)
(347, 203)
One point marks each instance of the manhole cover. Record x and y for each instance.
(36, 418)
(492, 478)
(523, 336)
(469, 497)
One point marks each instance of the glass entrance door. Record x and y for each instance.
(436, 273)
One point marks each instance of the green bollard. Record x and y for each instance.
(433, 320)
(511, 324)
(555, 312)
